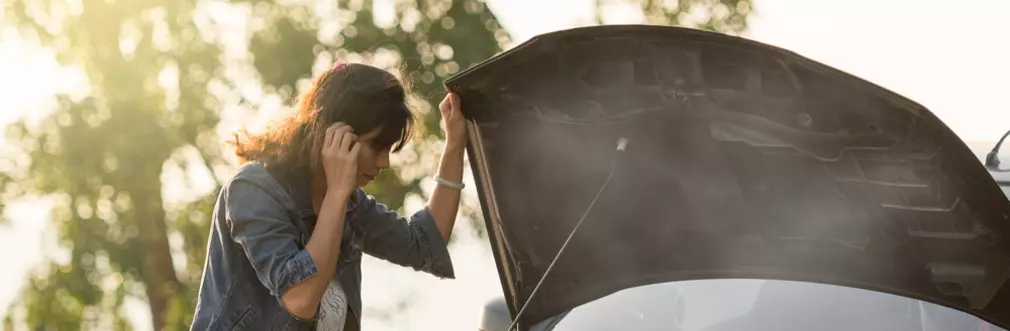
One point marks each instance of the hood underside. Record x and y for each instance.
(743, 161)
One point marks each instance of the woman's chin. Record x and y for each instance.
(364, 180)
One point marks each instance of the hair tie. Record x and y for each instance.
(340, 65)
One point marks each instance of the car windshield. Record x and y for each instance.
(762, 305)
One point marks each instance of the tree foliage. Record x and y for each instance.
(159, 77)
(727, 16)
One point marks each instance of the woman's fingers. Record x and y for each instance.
(450, 106)
(335, 133)
(355, 149)
(444, 107)
(347, 140)
(454, 102)
(328, 134)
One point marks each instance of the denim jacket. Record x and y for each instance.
(256, 251)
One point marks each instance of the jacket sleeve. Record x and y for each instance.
(413, 243)
(261, 225)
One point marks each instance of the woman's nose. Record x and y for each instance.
(383, 161)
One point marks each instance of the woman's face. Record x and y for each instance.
(371, 158)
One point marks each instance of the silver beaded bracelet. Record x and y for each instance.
(443, 181)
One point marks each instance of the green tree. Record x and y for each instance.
(726, 16)
(159, 75)
(101, 156)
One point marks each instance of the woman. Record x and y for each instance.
(290, 226)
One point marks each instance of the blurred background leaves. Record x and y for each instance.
(133, 160)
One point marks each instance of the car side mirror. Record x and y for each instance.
(992, 159)
(495, 315)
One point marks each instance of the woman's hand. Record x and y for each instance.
(340, 158)
(452, 119)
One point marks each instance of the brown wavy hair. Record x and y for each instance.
(359, 95)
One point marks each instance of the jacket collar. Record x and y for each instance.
(298, 184)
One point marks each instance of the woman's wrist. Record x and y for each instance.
(450, 167)
(455, 144)
(338, 194)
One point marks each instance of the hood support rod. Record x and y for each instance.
(622, 144)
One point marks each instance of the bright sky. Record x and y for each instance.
(951, 56)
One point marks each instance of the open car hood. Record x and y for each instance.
(743, 161)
